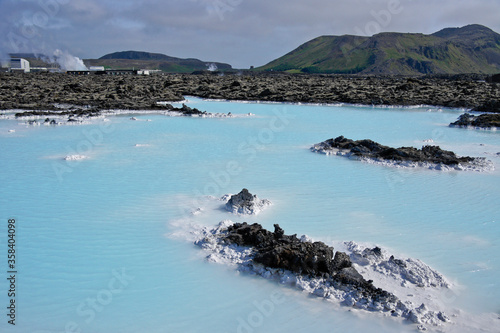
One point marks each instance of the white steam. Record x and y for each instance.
(212, 67)
(4, 60)
(69, 62)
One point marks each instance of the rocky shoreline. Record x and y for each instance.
(63, 92)
(75, 111)
(432, 157)
(77, 115)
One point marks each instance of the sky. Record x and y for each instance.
(242, 33)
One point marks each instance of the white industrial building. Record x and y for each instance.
(19, 65)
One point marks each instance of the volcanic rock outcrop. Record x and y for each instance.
(314, 268)
(245, 203)
(370, 150)
(277, 250)
(485, 120)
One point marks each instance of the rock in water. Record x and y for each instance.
(482, 120)
(432, 157)
(277, 250)
(309, 266)
(246, 203)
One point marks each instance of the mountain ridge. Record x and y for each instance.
(469, 49)
(138, 55)
(149, 60)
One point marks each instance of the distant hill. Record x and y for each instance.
(147, 60)
(470, 49)
(138, 55)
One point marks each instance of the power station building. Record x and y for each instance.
(19, 65)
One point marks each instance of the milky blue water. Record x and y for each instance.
(94, 237)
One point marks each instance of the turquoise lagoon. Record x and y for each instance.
(102, 243)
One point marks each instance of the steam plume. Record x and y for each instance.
(69, 62)
(212, 67)
(4, 60)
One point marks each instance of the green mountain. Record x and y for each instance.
(470, 49)
(147, 60)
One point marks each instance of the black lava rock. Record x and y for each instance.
(374, 150)
(277, 250)
(488, 106)
(245, 203)
(482, 120)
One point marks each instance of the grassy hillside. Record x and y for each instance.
(470, 49)
(147, 60)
